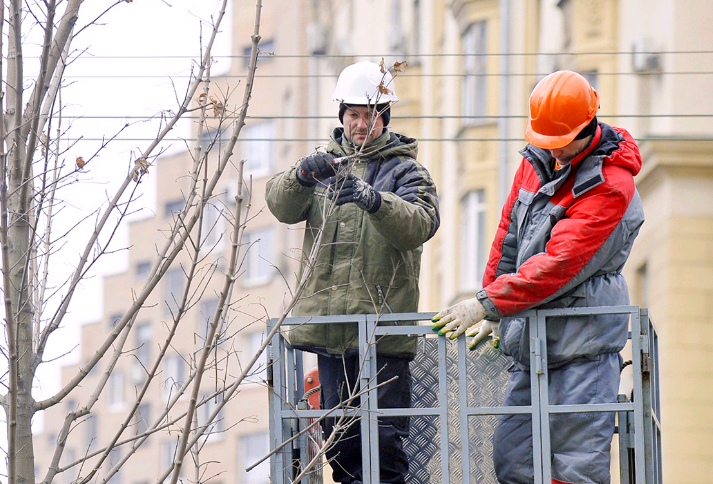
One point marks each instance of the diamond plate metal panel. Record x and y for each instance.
(486, 381)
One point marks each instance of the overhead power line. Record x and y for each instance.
(353, 56)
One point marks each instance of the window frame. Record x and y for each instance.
(253, 446)
(473, 246)
(259, 245)
(257, 148)
(474, 86)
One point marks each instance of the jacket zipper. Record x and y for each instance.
(382, 299)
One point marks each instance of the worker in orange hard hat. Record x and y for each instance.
(565, 233)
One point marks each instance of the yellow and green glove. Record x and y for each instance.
(457, 319)
(466, 317)
(478, 334)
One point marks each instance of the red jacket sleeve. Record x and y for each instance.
(575, 241)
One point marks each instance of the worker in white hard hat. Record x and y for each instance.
(385, 207)
(565, 232)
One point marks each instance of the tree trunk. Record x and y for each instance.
(19, 322)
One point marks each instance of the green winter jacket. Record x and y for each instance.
(367, 263)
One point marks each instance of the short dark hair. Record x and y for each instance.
(589, 129)
(383, 108)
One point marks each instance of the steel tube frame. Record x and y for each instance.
(640, 417)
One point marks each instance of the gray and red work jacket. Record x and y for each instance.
(562, 241)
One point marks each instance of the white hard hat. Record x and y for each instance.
(360, 84)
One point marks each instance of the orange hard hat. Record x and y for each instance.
(561, 105)
(312, 387)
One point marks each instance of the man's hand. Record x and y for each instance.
(315, 167)
(480, 333)
(457, 319)
(352, 189)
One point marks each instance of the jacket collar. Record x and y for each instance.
(587, 167)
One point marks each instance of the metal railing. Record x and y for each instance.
(451, 445)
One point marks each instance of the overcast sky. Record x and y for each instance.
(133, 61)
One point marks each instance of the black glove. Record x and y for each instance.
(352, 189)
(314, 168)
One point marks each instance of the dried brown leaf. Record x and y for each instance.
(141, 167)
(381, 66)
(400, 66)
(80, 162)
(384, 90)
(218, 109)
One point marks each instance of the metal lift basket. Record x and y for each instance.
(457, 395)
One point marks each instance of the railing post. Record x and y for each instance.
(650, 399)
(624, 443)
(463, 404)
(276, 398)
(443, 408)
(637, 360)
(539, 399)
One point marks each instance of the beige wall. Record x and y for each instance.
(676, 184)
(676, 245)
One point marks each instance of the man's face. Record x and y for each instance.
(569, 152)
(360, 127)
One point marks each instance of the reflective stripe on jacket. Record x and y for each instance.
(562, 241)
(368, 263)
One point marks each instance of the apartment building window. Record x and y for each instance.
(567, 22)
(144, 334)
(173, 207)
(254, 447)
(215, 431)
(258, 266)
(592, 77)
(474, 85)
(266, 48)
(168, 455)
(214, 139)
(174, 284)
(71, 474)
(253, 342)
(472, 249)
(142, 269)
(213, 234)
(116, 390)
(142, 418)
(114, 458)
(173, 376)
(90, 432)
(205, 318)
(114, 319)
(257, 148)
(396, 36)
(642, 286)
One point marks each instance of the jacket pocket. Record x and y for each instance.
(514, 339)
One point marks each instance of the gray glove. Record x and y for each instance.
(352, 189)
(314, 168)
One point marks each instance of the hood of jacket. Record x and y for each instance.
(610, 146)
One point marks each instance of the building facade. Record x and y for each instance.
(464, 95)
